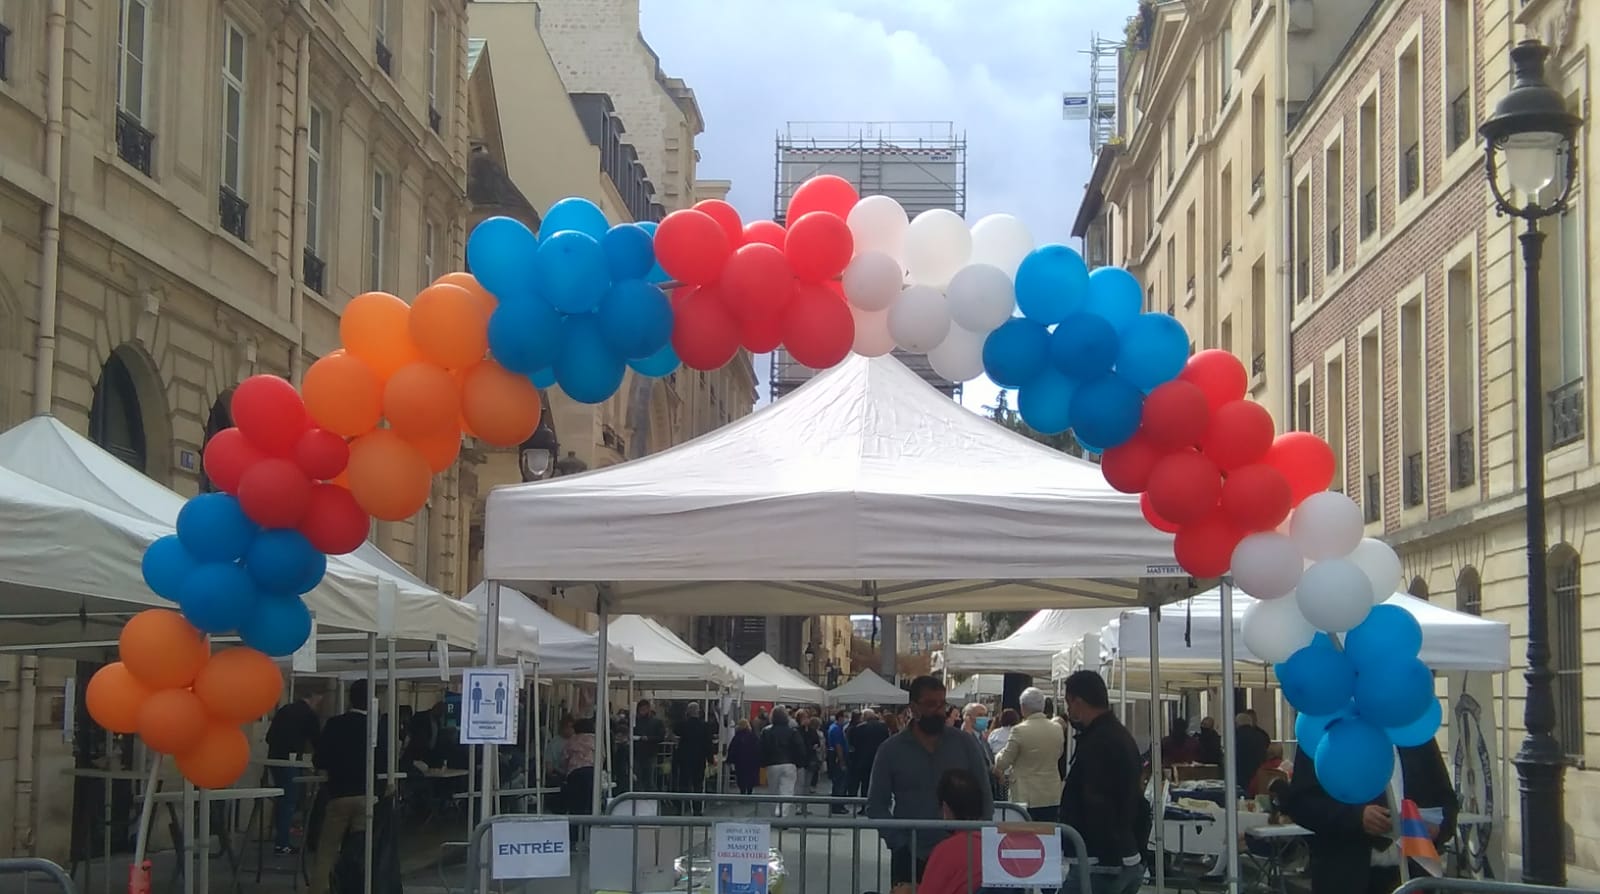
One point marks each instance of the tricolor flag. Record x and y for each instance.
(1415, 841)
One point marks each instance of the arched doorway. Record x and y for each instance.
(116, 417)
(1469, 592)
(221, 417)
(1418, 588)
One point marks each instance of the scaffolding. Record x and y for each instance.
(1105, 59)
(920, 164)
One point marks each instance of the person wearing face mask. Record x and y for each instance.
(906, 774)
(1101, 796)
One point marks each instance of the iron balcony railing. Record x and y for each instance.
(1566, 414)
(385, 57)
(1372, 498)
(1335, 255)
(135, 145)
(314, 271)
(435, 120)
(1414, 480)
(1302, 279)
(1460, 119)
(1463, 458)
(1259, 183)
(1411, 170)
(1258, 364)
(234, 212)
(1369, 212)
(1227, 253)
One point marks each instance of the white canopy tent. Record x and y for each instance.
(1028, 650)
(867, 688)
(776, 683)
(976, 688)
(564, 650)
(661, 657)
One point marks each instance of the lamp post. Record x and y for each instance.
(811, 661)
(536, 458)
(1528, 140)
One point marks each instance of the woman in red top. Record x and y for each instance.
(956, 864)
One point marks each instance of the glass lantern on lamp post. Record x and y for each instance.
(536, 457)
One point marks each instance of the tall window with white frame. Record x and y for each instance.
(1408, 99)
(1225, 63)
(1302, 239)
(5, 43)
(135, 141)
(1457, 74)
(1413, 406)
(1564, 273)
(1334, 413)
(1367, 165)
(383, 48)
(1191, 237)
(430, 252)
(1462, 383)
(1258, 142)
(232, 207)
(1333, 205)
(314, 262)
(435, 119)
(1304, 412)
(1258, 319)
(1225, 215)
(1371, 427)
(378, 232)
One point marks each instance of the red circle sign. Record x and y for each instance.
(1021, 854)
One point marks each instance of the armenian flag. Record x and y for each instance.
(1415, 842)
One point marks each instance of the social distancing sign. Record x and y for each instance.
(1022, 856)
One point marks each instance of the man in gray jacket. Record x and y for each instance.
(906, 773)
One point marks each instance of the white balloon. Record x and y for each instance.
(1326, 526)
(873, 281)
(919, 319)
(1274, 629)
(878, 223)
(1380, 564)
(1334, 595)
(938, 244)
(981, 298)
(1267, 566)
(872, 332)
(959, 358)
(1002, 241)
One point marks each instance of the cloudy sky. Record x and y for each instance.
(995, 68)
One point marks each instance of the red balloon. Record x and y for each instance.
(1205, 548)
(680, 293)
(1240, 433)
(825, 192)
(692, 246)
(1175, 415)
(334, 522)
(769, 232)
(1256, 497)
(1218, 373)
(321, 454)
(270, 413)
(1184, 487)
(818, 329)
(704, 335)
(228, 454)
(1153, 517)
(275, 493)
(757, 282)
(726, 217)
(1127, 466)
(819, 246)
(1305, 460)
(761, 335)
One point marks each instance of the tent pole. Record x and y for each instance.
(491, 754)
(372, 764)
(633, 736)
(1230, 773)
(536, 733)
(602, 701)
(1158, 804)
(1505, 774)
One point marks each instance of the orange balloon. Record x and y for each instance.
(448, 326)
(501, 407)
(375, 326)
(389, 478)
(239, 685)
(342, 479)
(114, 697)
(421, 399)
(172, 721)
(218, 759)
(440, 449)
(162, 649)
(480, 296)
(343, 394)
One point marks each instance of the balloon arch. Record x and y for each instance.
(582, 301)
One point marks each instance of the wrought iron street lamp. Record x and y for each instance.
(537, 457)
(1528, 147)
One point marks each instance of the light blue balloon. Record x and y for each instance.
(1389, 632)
(1106, 411)
(218, 597)
(544, 378)
(1016, 353)
(1309, 729)
(635, 319)
(214, 528)
(1052, 282)
(280, 560)
(1153, 350)
(587, 370)
(277, 627)
(500, 254)
(166, 565)
(569, 270)
(1083, 346)
(1045, 402)
(1115, 296)
(1394, 692)
(656, 274)
(630, 252)
(577, 214)
(1317, 679)
(1354, 761)
(1425, 727)
(525, 335)
(659, 365)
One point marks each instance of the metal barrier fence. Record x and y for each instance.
(1476, 886)
(1004, 811)
(26, 866)
(636, 854)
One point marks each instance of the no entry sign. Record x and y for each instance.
(1021, 857)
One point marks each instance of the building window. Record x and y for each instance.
(1333, 415)
(116, 420)
(1302, 239)
(1457, 57)
(1461, 332)
(1258, 319)
(435, 120)
(1225, 63)
(1371, 427)
(1225, 336)
(430, 252)
(1303, 415)
(1408, 97)
(1413, 409)
(315, 267)
(377, 231)
(1564, 366)
(1225, 218)
(1469, 592)
(1258, 143)
(1172, 275)
(1172, 150)
(230, 201)
(1566, 647)
(135, 142)
(1419, 588)
(1333, 204)
(1367, 165)
(5, 44)
(1190, 237)
(383, 49)
(1191, 124)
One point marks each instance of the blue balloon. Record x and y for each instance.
(166, 565)
(1089, 449)
(214, 528)
(635, 319)
(1318, 678)
(1394, 692)
(656, 274)
(1016, 353)
(1052, 282)
(500, 253)
(569, 270)
(1153, 351)
(525, 335)
(1354, 761)
(279, 561)
(1309, 729)
(587, 370)
(577, 214)
(1083, 346)
(277, 627)
(218, 597)
(630, 251)
(1106, 411)
(659, 365)
(544, 378)
(1388, 632)
(1046, 402)
(1420, 731)
(315, 572)
(1115, 296)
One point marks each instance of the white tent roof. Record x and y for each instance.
(766, 680)
(867, 688)
(48, 452)
(660, 656)
(564, 650)
(1081, 655)
(1031, 648)
(864, 489)
(976, 688)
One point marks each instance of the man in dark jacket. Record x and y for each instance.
(1250, 744)
(342, 754)
(1101, 796)
(293, 731)
(783, 754)
(696, 745)
(1353, 845)
(648, 732)
(862, 742)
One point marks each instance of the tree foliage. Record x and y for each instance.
(963, 634)
(1002, 412)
